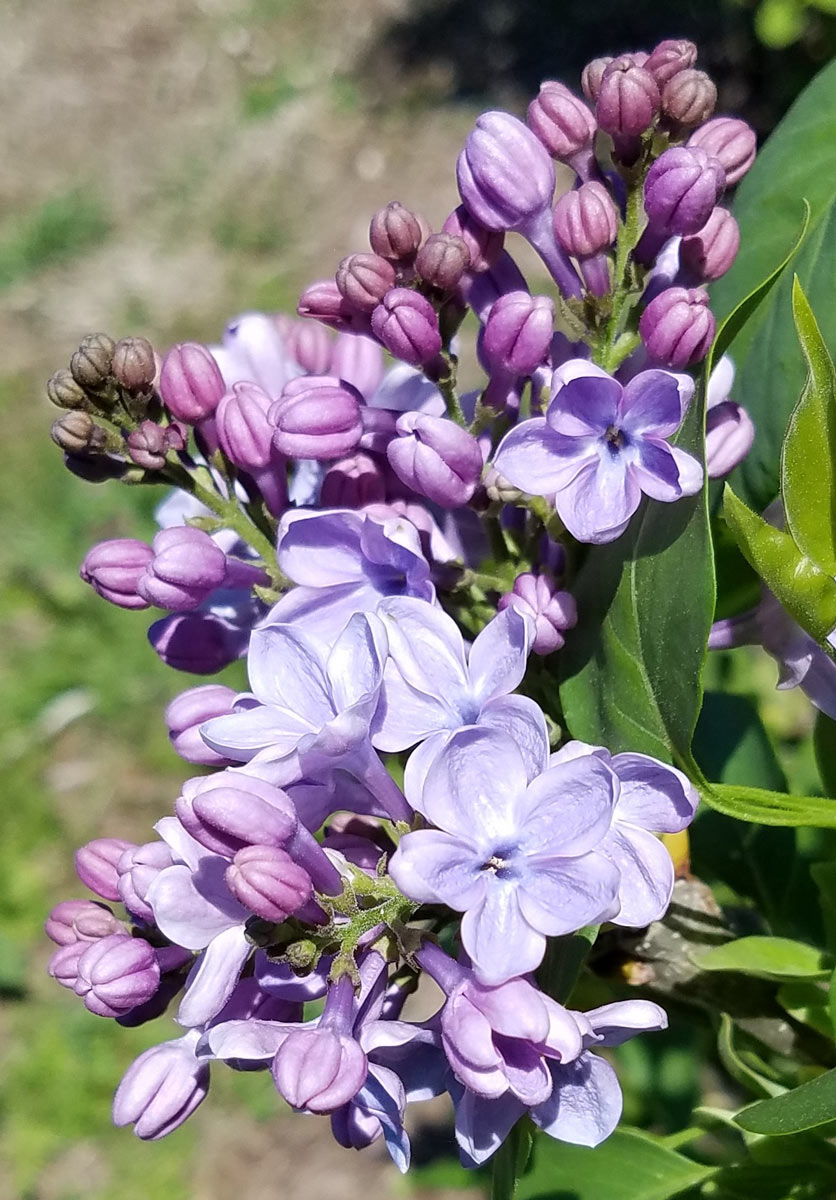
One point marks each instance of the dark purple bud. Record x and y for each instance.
(358, 359)
(681, 189)
(116, 974)
(407, 325)
(186, 568)
(312, 346)
(689, 98)
(628, 99)
(200, 643)
(442, 260)
(436, 458)
(95, 865)
(113, 569)
(729, 140)
(669, 58)
(710, 253)
(484, 245)
(677, 327)
(63, 391)
(92, 362)
(591, 77)
(191, 383)
(319, 1069)
(244, 432)
(504, 172)
(585, 220)
(267, 881)
(74, 921)
(561, 120)
(63, 965)
(148, 445)
(518, 332)
(77, 433)
(395, 233)
(364, 279)
(162, 1088)
(552, 611)
(323, 301)
(134, 365)
(353, 483)
(138, 868)
(188, 711)
(317, 417)
(230, 810)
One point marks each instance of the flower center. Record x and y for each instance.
(615, 439)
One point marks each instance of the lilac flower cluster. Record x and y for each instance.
(388, 554)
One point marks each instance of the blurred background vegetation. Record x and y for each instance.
(168, 165)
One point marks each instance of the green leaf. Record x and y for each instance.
(798, 160)
(805, 1107)
(807, 1003)
(766, 958)
(824, 744)
(743, 1066)
(511, 1160)
(808, 594)
(808, 462)
(769, 808)
(627, 1166)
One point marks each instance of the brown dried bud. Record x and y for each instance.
(78, 433)
(364, 279)
(64, 392)
(92, 362)
(134, 365)
(442, 260)
(395, 232)
(689, 98)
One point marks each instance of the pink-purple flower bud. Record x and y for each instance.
(677, 327)
(710, 253)
(63, 964)
(96, 865)
(138, 868)
(74, 921)
(186, 568)
(323, 301)
(628, 98)
(729, 140)
(585, 220)
(442, 260)
(395, 233)
(688, 98)
(244, 432)
(518, 332)
(188, 711)
(230, 810)
(561, 121)
(319, 1069)
(729, 434)
(364, 279)
(317, 417)
(436, 458)
(407, 325)
(592, 76)
(505, 173)
(552, 611)
(149, 444)
(113, 569)
(199, 643)
(116, 974)
(191, 383)
(484, 245)
(681, 189)
(312, 346)
(162, 1088)
(267, 881)
(669, 58)
(353, 483)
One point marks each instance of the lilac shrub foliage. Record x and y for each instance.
(394, 560)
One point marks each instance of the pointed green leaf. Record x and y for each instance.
(805, 1107)
(766, 958)
(769, 808)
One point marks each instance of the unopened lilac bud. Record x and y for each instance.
(407, 325)
(244, 432)
(199, 643)
(669, 58)
(77, 433)
(267, 881)
(729, 140)
(499, 490)
(729, 434)
(63, 391)
(188, 711)
(552, 611)
(191, 383)
(96, 865)
(116, 974)
(319, 1070)
(138, 868)
(323, 301)
(710, 253)
(148, 445)
(80, 921)
(585, 220)
(442, 260)
(677, 327)
(317, 417)
(113, 569)
(186, 568)
(134, 365)
(358, 359)
(628, 99)
(92, 362)
(311, 345)
(518, 332)
(681, 189)
(561, 120)
(436, 458)
(504, 172)
(63, 965)
(591, 77)
(484, 245)
(162, 1088)
(230, 810)
(353, 483)
(395, 232)
(689, 98)
(364, 279)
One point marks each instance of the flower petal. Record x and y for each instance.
(192, 917)
(213, 977)
(559, 895)
(475, 786)
(431, 867)
(320, 549)
(656, 470)
(499, 655)
(500, 941)
(585, 406)
(537, 460)
(653, 795)
(615, 1023)
(569, 808)
(286, 670)
(646, 872)
(652, 404)
(597, 505)
(251, 1040)
(585, 1105)
(522, 720)
(355, 664)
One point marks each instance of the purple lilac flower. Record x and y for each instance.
(519, 857)
(601, 445)
(162, 1088)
